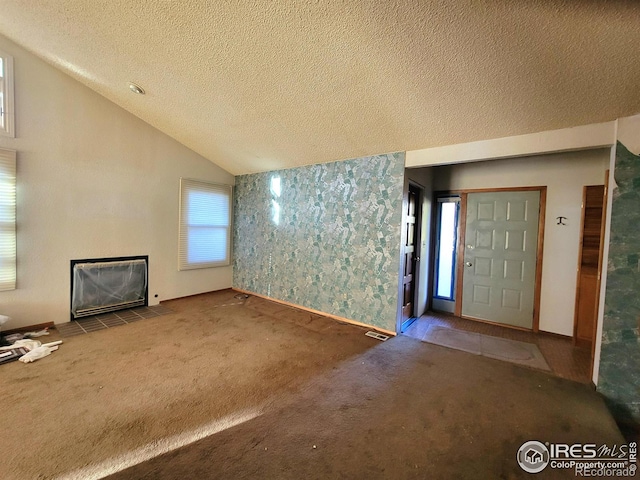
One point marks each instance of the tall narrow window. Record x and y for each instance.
(6, 95)
(7, 219)
(447, 228)
(205, 224)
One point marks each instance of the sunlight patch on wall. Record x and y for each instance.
(275, 205)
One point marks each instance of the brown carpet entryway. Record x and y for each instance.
(259, 390)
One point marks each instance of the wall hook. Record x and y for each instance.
(561, 220)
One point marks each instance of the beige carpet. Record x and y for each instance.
(522, 353)
(246, 390)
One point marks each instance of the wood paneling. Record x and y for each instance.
(587, 291)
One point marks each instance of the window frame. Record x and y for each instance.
(7, 109)
(191, 185)
(440, 201)
(8, 251)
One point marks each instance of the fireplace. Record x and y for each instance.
(100, 285)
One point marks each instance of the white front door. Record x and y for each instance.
(500, 252)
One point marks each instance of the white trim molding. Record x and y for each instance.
(596, 135)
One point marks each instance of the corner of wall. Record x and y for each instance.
(618, 374)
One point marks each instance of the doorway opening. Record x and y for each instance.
(590, 264)
(494, 239)
(487, 255)
(413, 283)
(564, 176)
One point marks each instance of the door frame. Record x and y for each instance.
(417, 280)
(462, 225)
(433, 248)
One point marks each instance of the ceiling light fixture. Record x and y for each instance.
(136, 88)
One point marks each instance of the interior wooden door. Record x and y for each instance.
(500, 257)
(409, 249)
(587, 288)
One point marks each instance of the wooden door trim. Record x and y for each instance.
(535, 326)
(409, 280)
(403, 255)
(462, 227)
(579, 269)
(537, 294)
(403, 240)
(417, 248)
(432, 250)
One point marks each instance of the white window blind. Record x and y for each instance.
(205, 224)
(6, 95)
(7, 219)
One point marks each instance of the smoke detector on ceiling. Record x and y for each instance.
(135, 88)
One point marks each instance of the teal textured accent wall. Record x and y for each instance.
(619, 374)
(325, 237)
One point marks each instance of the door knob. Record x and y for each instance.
(469, 264)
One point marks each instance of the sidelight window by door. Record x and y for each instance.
(447, 236)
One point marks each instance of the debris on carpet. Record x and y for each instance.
(27, 350)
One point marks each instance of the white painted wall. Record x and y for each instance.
(93, 181)
(584, 137)
(565, 175)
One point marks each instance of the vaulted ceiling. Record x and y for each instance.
(266, 84)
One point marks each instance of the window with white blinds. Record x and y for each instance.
(205, 224)
(7, 219)
(6, 95)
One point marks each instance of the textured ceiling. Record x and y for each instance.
(259, 85)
